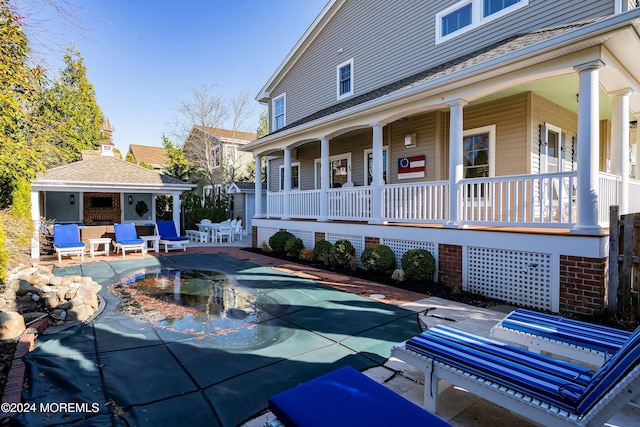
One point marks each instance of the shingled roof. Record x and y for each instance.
(229, 135)
(156, 156)
(107, 171)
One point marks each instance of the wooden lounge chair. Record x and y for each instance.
(127, 239)
(169, 237)
(545, 390)
(556, 335)
(345, 397)
(66, 241)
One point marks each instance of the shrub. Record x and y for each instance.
(321, 251)
(306, 255)
(293, 247)
(378, 259)
(279, 240)
(418, 264)
(342, 253)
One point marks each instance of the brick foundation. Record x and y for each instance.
(254, 236)
(582, 284)
(368, 241)
(318, 235)
(450, 265)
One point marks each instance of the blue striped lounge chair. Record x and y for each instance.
(169, 236)
(545, 390)
(66, 241)
(345, 397)
(127, 239)
(556, 335)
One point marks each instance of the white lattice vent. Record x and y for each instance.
(356, 241)
(399, 247)
(307, 237)
(522, 278)
(264, 233)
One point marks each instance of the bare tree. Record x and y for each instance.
(241, 109)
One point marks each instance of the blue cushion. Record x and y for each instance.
(66, 236)
(126, 233)
(345, 397)
(167, 231)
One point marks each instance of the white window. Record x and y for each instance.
(466, 15)
(479, 147)
(216, 156)
(340, 170)
(551, 158)
(345, 79)
(368, 165)
(231, 154)
(295, 176)
(279, 112)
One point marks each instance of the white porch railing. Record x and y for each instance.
(304, 204)
(417, 202)
(350, 203)
(536, 200)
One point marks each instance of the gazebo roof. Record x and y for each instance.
(106, 173)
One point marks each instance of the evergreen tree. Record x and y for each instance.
(71, 110)
(177, 164)
(263, 124)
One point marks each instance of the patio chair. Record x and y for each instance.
(237, 230)
(537, 387)
(66, 241)
(224, 230)
(544, 333)
(169, 236)
(127, 239)
(345, 397)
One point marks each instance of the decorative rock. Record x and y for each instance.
(35, 297)
(59, 314)
(11, 325)
(29, 317)
(87, 296)
(80, 312)
(398, 275)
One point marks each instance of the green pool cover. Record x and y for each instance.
(121, 370)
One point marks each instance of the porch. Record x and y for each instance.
(546, 201)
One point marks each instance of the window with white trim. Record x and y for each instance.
(295, 176)
(279, 112)
(479, 147)
(469, 14)
(551, 149)
(216, 156)
(345, 79)
(231, 154)
(340, 170)
(368, 165)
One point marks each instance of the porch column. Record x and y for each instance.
(377, 171)
(324, 179)
(620, 144)
(258, 188)
(287, 185)
(637, 147)
(35, 217)
(588, 149)
(456, 136)
(176, 211)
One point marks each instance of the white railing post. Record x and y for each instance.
(324, 179)
(588, 148)
(287, 185)
(456, 137)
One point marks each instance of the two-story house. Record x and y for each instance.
(215, 152)
(494, 133)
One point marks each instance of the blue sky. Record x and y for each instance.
(144, 57)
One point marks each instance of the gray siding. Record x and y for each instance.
(389, 40)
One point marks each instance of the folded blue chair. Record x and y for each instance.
(537, 387)
(345, 397)
(127, 239)
(169, 236)
(556, 335)
(66, 241)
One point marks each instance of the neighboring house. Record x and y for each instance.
(154, 156)
(215, 153)
(99, 192)
(241, 199)
(495, 134)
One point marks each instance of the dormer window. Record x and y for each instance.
(345, 79)
(279, 110)
(469, 14)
